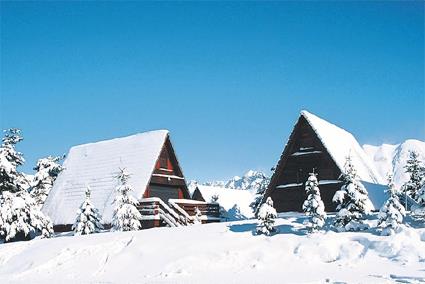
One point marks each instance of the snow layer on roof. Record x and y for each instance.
(341, 143)
(96, 165)
(228, 197)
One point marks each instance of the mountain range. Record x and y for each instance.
(388, 158)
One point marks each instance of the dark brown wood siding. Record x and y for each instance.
(303, 154)
(167, 176)
(197, 195)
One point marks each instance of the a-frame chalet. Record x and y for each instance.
(150, 159)
(319, 146)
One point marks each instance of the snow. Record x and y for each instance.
(168, 176)
(329, 181)
(228, 198)
(219, 253)
(391, 159)
(305, 153)
(340, 143)
(96, 165)
(289, 185)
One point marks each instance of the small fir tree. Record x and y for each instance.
(266, 218)
(421, 196)
(126, 217)
(48, 170)
(419, 213)
(235, 213)
(197, 218)
(353, 201)
(392, 212)
(313, 206)
(88, 217)
(214, 198)
(259, 195)
(416, 172)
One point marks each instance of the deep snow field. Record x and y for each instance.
(219, 253)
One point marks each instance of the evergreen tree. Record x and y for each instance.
(416, 171)
(392, 212)
(88, 217)
(266, 216)
(313, 206)
(197, 218)
(234, 213)
(421, 196)
(10, 178)
(419, 213)
(48, 170)
(214, 198)
(126, 217)
(259, 195)
(353, 201)
(20, 218)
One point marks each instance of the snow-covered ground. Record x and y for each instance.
(219, 253)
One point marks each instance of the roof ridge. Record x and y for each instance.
(122, 137)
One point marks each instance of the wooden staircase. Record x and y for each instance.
(178, 212)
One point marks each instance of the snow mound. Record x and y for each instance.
(220, 252)
(228, 198)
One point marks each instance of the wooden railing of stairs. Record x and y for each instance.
(178, 212)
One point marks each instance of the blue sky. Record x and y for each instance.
(227, 79)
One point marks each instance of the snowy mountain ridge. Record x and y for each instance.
(387, 158)
(392, 159)
(250, 181)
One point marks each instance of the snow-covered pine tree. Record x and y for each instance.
(234, 213)
(313, 206)
(88, 217)
(419, 213)
(259, 195)
(266, 218)
(214, 198)
(10, 178)
(353, 201)
(20, 218)
(47, 171)
(197, 217)
(416, 171)
(392, 212)
(126, 217)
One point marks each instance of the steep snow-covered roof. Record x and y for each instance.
(228, 197)
(340, 143)
(96, 165)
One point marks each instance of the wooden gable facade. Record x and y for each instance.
(167, 180)
(197, 195)
(303, 154)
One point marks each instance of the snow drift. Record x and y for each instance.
(222, 252)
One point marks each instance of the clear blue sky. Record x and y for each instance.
(227, 79)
